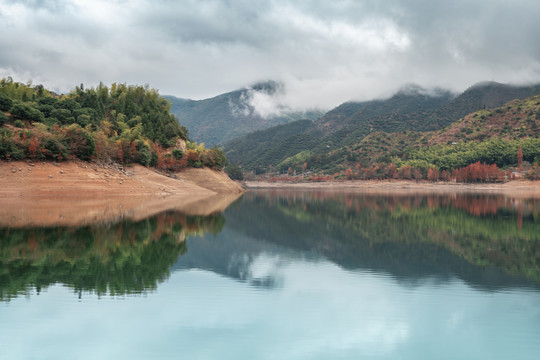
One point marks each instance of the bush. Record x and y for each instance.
(144, 157)
(5, 103)
(36, 115)
(154, 158)
(83, 120)
(18, 123)
(21, 111)
(234, 172)
(177, 153)
(56, 148)
(3, 118)
(63, 115)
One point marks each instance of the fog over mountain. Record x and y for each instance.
(324, 53)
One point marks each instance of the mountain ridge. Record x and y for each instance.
(344, 127)
(233, 114)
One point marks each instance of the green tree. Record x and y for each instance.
(234, 171)
(5, 103)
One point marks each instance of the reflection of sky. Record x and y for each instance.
(316, 311)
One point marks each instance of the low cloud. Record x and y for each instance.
(324, 53)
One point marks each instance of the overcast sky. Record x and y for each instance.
(324, 52)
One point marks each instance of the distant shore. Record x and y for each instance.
(520, 188)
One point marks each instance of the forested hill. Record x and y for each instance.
(413, 109)
(324, 145)
(121, 123)
(231, 115)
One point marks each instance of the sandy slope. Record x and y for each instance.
(76, 193)
(216, 181)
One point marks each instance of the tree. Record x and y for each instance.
(519, 158)
(5, 103)
(433, 174)
(234, 172)
(391, 171)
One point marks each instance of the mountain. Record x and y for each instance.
(219, 119)
(338, 135)
(257, 150)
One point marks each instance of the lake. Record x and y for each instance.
(282, 274)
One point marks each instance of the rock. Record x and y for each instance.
(61, 171)
(50, 176)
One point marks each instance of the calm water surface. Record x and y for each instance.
(282, 275)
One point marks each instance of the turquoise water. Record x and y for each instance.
(282, 275)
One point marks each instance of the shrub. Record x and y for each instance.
(63, 115)
(18, 123)
(83, 120)
(5, 103)
(177, 153)
(193, 159)
(21, 111)
(3, 118)
(234, 172)
(56, 148)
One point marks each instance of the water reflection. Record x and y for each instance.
(283, 275)
(488, 240)
(121, 258)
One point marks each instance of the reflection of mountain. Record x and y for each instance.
(409, 236)
(126, 257)
(489, 241)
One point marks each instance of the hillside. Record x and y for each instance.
(512, 121)
(491, 136)
(406, 110)
(360, 132)
(121, 123)
(264, 148)
(227, 116)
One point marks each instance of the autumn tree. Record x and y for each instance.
(433, 174)
(519, 158)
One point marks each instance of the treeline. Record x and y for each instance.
(408, 156)
(476, 172)
(126, 124)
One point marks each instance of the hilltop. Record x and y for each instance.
(231, 115)
(123, 124)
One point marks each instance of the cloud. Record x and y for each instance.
(324, 53)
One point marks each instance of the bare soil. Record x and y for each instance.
(78, 193)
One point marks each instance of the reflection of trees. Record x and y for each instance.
(486, 230)
(127, 257)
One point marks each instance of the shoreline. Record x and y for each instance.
(84, 193)
(515, 187)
